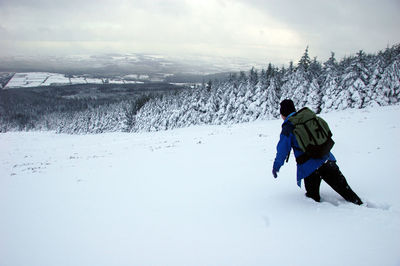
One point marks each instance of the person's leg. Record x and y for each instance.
(312, 184)
(331, 174)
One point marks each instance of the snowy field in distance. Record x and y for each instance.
(35, 79)
(197, 196)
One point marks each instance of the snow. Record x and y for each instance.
(56, 79)
(78, 80)
(202, 195)
(35, 79)
(27, 79)
(94, 81)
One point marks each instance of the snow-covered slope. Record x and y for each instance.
(197, 196)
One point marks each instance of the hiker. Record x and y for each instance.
(312, 169)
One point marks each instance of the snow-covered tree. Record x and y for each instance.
(271, 108)
(314, 96)
(355, 81)
(388, 87)
(304, 62)
(330, 84)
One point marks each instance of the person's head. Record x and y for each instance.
(287, 107)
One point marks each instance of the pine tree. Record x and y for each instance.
(301, 86)
(375, 83)
(389, 84)
(253, 78)
(330, 84)
(272, 101)
(270, 73)
(209, 86)
(314, 97)
(305, 62)
(355, 81)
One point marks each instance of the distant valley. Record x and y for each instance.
(33, 71)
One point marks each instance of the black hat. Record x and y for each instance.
(287, 107)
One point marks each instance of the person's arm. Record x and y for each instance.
(282, 149)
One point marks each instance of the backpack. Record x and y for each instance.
(312, 134)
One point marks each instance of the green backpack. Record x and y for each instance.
(312, 133)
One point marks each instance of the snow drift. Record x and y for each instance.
(202, 195)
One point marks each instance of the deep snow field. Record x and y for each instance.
(202, 195)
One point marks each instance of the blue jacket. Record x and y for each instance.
(288, 141)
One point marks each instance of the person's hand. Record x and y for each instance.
(274, 173)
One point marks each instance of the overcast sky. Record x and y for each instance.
(274, 31)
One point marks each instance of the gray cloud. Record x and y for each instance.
(341, 24)
(271, 30)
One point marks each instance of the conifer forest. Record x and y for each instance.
(357, 81)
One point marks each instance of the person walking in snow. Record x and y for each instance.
(310, 169)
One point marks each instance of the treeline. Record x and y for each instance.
(357, 81)
(74, 109)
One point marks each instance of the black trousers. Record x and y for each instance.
(330, 173)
